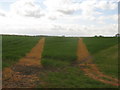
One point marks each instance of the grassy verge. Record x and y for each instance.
(15, 47)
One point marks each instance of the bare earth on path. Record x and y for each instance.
(24, 74)
(90, 69)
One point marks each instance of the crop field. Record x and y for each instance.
(59, 68)
(60, 53)
(105, 53)
(96, 44)
(60, 48)
(15, 47)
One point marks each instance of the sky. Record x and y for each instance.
(59, 17)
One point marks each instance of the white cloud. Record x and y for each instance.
(59, 8)
(60, 29)
(2, 12)
(88, 7)
(63, 6)
(106, 5)
(57, 18)
(102, 19)
(26, 8)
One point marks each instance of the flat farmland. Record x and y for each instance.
(96, 44)
(60, 71)
(15, 47)
(62, 48)
(105, 53)
(60, 68)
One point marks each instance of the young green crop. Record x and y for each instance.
(96, 44)
(104, 51)
(58, 56)
(61, 73)
(69, 77)
(60, 48)
(107, 60)
(15, 47)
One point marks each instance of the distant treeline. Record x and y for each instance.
(116, 35)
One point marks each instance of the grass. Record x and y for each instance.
(96, 44)
(15, 47)
(52, 63)
(70, 77)
(58, 55)
(105, 53)
(107, 60)
(60, 48)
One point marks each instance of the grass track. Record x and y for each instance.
(59, 73)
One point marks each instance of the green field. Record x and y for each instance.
(59, 56)
(105, 53)
(15, 47)
(97, 44)
(107, 60)
(60, 48)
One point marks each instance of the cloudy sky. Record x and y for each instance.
(59, 17)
